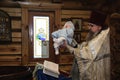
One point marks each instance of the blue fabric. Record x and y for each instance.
(67, 33)
(42, 76)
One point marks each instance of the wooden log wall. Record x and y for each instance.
(10, 54)
(66, 59)
(115, 46)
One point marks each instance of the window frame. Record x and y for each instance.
(31, 33)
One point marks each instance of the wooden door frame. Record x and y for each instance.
(25, 26)
(31, 32)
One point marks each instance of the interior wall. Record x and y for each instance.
(11, 54)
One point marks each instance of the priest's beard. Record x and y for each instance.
(91, 35)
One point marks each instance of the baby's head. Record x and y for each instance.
(69, 24)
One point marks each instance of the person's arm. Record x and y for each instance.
(81, 51)
(74, 43)
(71, 49)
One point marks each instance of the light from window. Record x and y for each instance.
(41, 36)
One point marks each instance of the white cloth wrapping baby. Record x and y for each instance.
(63, 34)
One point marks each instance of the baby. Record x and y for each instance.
(66, 33)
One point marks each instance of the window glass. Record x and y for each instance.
(41, 36)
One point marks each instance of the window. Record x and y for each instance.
(41, 36)
(40, 41)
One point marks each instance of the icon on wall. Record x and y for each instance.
(5, 28)
(77, 23)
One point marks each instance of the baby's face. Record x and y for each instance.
(67, 26)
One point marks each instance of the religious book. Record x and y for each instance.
(51, 68)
